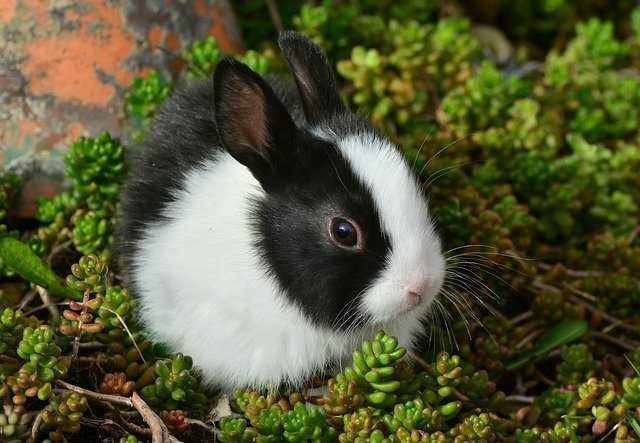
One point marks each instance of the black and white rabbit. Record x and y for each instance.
(266, 231)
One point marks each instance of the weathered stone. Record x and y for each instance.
(65, 65)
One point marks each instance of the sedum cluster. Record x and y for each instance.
(530, 165)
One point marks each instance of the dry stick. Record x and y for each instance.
(519, 399)
(41, 307)
(615, 320)
(159, 431)
(580, 293)
(9, 360)
(132, 426)
(114, 399)
(633, 235)
(35, 429)
(76, 340)
(202, 424)
(57, 249)
(572, 272)
(546, 380)
(530, 337)
(46, 300)
(421, 362)
(526, 315)
(275, 15)
(540, 285)
(28, 297)
(629, 346)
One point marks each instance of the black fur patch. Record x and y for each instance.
(323, 279)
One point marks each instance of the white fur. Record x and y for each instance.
(204, 292)
(416, 262)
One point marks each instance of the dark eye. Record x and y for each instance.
(345, 233)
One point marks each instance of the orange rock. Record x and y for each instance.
(7, 10)
(71, 62)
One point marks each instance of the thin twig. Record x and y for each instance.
(572, 272)
(132, 426)
(28, 297)
(46, 300)
(159, 431)
(541, 285)
(113, 399)
(530, 337)
(601, 313)
(126, 328)
(41, 307)
(546, 380)
(420, 361)
(202, 424)
(57, 249)
(581, 293)
(459, 395)
(627, 345)
(519, 399)
(35, 429)
(9, 360)
(85, 306)
(633, 235)
(275, 15)
(521, 317)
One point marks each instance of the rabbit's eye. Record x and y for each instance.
(345, 233)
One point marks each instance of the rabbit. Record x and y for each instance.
(266, 230)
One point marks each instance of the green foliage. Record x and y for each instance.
(202, 57)
(63, 414)
(18, 257)
(85, 213)
(142, 99)
(525, 159)
(176, 384)
(95, 161)
(15, 422)
(577, 364)
(307, 424)
(8, 183)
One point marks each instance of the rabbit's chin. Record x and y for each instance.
(273, 346)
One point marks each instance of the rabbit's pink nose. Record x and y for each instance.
(416, 292)
(414, 297)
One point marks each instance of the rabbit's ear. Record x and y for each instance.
(253, 124)
(313, 75)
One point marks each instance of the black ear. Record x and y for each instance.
(254, 126)
(313, 75)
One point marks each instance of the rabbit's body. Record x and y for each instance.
(266, 237)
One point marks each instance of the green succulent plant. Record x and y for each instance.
(307, 424)
(176, 384)
(63, 414)
(577, 364)
(532, 154)
(202, 58)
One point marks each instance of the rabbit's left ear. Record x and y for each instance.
(313, 75)
(253, 124)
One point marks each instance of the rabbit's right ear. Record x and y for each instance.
(253, 124)
(313, 75)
